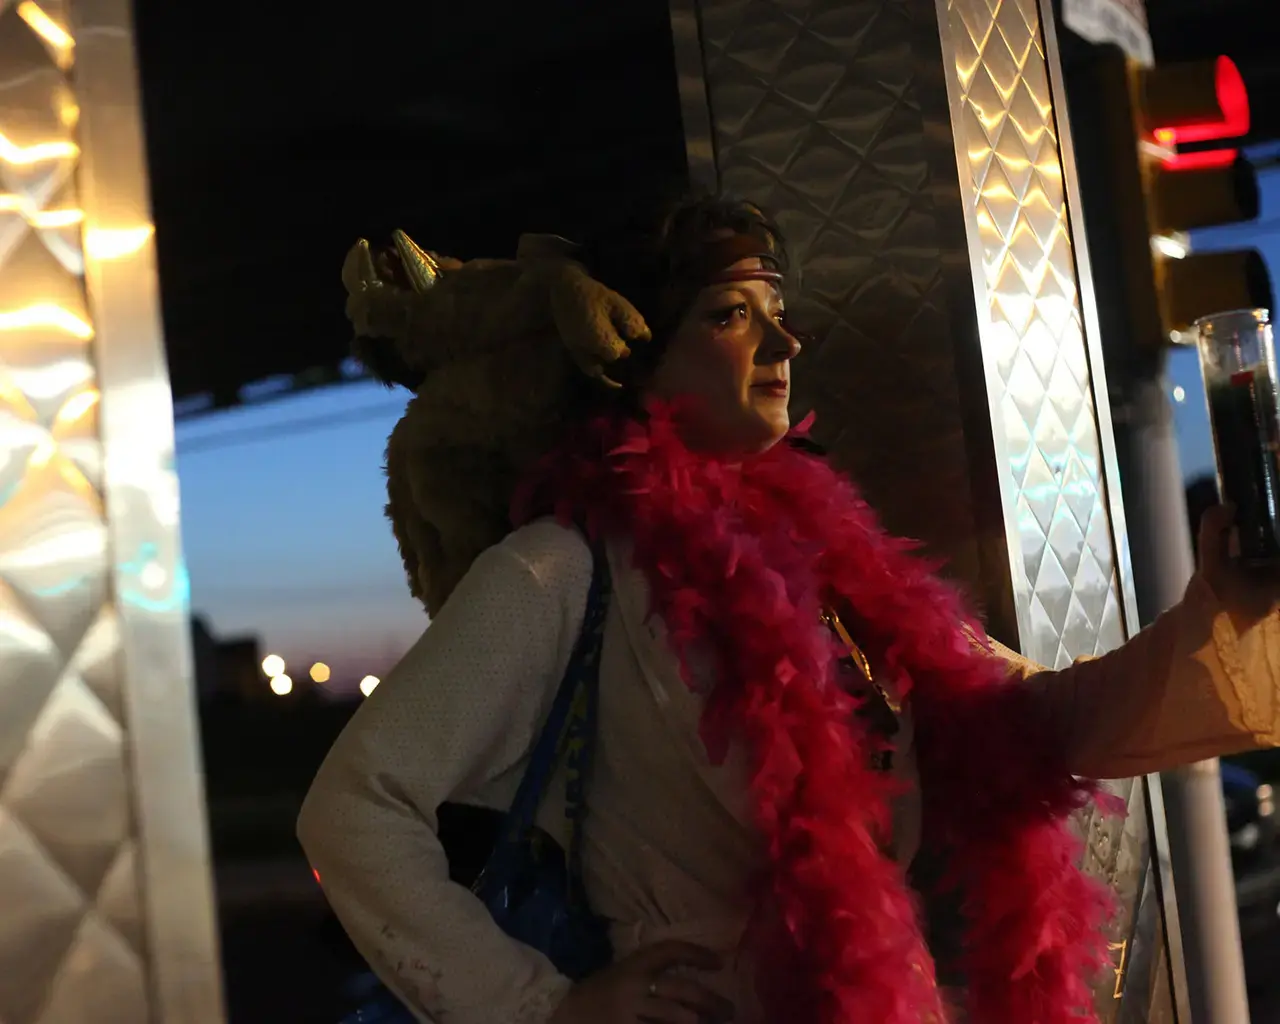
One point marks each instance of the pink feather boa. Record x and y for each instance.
(740, 559)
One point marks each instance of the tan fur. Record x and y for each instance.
(501, 344)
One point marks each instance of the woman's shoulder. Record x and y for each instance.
(557, 556)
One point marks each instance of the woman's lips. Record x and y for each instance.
(777, 388)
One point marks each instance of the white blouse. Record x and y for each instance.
(668, 844)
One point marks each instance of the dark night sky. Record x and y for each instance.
(277, 134)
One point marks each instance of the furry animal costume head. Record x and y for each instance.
(496, 353)
(504, 355)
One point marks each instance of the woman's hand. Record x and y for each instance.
(642, 988)
(1248, 594)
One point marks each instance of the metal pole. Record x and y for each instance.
(1199, 848)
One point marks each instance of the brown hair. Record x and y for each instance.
(652, 256)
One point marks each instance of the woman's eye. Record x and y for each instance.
(724, 317)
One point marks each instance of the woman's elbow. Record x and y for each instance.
(314, 825)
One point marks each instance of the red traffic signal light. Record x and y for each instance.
(1194, 104)
(1189, 104)
(1200, 101)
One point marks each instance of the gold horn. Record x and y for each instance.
(358, 271)
(422, 270)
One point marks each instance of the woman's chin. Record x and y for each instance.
(769, 427)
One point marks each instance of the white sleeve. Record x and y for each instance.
(464, 706)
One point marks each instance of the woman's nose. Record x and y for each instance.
(780, 344)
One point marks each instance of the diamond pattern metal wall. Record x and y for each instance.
(72, 944)
(969, 424)
(817, 112)
(1044, 426)
(1042, 406)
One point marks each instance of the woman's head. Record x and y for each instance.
(706, 274)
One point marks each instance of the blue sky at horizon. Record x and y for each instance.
(283, 527)
(285, 536)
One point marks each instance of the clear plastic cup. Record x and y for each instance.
(1238, 362)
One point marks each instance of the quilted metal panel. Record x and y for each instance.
(102, 846)
(1052, 442)
(820, 110)
(1042, 402)
(140, 486)
(71, 948)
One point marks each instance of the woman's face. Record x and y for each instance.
(732, 355)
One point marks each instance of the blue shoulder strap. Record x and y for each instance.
(570, 726)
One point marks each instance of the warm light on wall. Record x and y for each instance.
(116, 243)
(12, 153)
(68, 111)
(45, 27)
(45, 315)
(76, 406)
(55, 218)
(43, 453)
(10, 203)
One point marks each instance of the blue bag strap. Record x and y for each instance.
(570, 724)
(580, 733)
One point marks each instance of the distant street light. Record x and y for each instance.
(281, 685)
(319, 672)
(368, 684)
(272, 666)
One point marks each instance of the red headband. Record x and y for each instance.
(715, 263)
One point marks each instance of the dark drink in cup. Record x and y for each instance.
(1237, 359)
(1245, 435)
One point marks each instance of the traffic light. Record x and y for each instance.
(1202, 101)
(1188, 119)
(1160, 159)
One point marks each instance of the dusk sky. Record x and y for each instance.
(282, 512)
(285, 535)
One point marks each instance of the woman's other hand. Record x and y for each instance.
(1248, 594)
(646, 988)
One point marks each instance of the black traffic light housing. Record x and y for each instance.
(1159, 163)
(1187, 118)
(1201, 197)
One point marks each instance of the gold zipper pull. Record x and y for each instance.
(832, 621)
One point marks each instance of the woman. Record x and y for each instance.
(756, 803)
